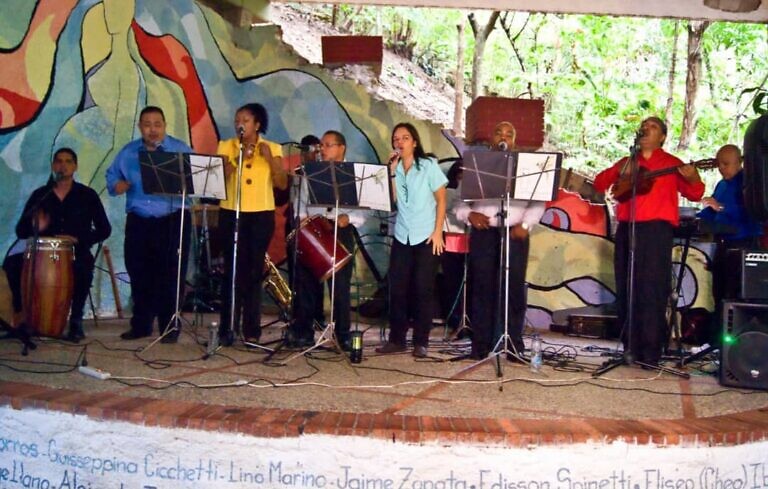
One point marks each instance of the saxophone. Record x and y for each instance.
(275, 284)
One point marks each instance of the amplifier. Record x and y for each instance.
(747, 276)
(593, 325)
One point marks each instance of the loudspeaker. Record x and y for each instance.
(756, 168)
(746, 275)
(743, 359)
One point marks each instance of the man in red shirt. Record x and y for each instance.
(656, 215)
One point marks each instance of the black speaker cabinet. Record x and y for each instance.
(747, 275)
(743, 358)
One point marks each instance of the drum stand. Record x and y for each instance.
(203, 273)
(464, 324)
(328, 334)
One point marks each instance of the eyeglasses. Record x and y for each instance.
(405, 190)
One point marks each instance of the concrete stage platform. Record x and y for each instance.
(245, 418)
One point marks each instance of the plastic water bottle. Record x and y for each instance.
(213, 338)
(536, 353)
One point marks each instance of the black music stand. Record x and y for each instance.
(184, 175)
(507, 176)
(351, 186)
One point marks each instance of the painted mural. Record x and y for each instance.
(77, 73)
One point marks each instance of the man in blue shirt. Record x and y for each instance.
(725, 208)
(726, 205)
(151, 231)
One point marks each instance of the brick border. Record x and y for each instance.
(739, 428)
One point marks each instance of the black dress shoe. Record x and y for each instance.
(478, 354)
(420, 351)
(390, 347)
(346, 345)
(462, 334)
(301, 342)
(133, 335)
(226, 338)
(75, 334)
(170, 339)
(252, 335)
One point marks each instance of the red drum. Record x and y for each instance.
(47, 284)
(456, 242)
(316, 245)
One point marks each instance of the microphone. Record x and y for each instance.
(57, 176)
(397, 154)
(640, 133)
(307, 147)
(503, 146)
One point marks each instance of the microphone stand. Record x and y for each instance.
(295, 225)
(238, 198)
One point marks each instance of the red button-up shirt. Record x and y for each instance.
(661, 202)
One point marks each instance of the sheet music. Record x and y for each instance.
(208, 176)
(535, 176)
(373, 186)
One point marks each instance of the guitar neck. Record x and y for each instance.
(702, 164)
(663, 171)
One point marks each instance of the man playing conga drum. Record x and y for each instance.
(69, 210)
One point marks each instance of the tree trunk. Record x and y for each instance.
(481, 36)
(696, 30)
(672, 70)
(334, 15)
(458, 106)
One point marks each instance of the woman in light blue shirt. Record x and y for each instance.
(419, 191)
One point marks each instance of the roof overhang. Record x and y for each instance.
(683, 9)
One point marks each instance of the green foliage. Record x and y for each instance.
(599, 76)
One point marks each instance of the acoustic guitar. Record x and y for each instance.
(622, 189)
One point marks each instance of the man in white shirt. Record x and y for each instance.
(486, 271)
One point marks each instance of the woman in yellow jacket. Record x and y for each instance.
(262, 170)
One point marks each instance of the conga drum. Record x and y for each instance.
(47, 284)
(316, 246)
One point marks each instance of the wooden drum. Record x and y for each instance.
(47, 284)
(316, 247)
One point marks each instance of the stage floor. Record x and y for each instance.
(393, 396)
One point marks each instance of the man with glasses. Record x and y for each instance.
(308, 293)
